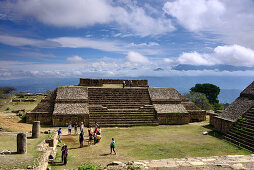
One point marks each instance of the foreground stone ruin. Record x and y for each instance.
(237, 121)
(139, 105)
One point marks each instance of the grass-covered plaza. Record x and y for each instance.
(146, 143)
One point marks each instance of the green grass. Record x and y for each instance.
(14, 160)
(147, 143)
(28, 106)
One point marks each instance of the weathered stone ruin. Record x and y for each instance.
(237, 121)
(91, 101)
(21, 143)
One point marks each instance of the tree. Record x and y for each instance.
(211, 91)
(7, 89)
(199, 99)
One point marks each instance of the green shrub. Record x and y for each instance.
(89, 166)
(23, 117)
(21, 96)
(7, 108)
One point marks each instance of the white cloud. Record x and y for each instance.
(193, 15)
(135, 57)
(234, 55)
(150, 44)
(77, 42)
(65, 13)
(232, 21)
(194, 58)
(21, 41)
(75, 59)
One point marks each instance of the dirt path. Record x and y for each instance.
(9, 122)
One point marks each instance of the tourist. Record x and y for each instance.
(94, 138)
(59, 131)
(65, 154)
(81, 139)
(112, 146)
(76, 128)
(98, 138)
(69, 129)
(96, 126)
(99, 131)
(91, 131)
(63, 151)
(131, 83)
(90, 137)
(123, 83)
(82, 127)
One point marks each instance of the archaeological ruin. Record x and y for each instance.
(237, 120)
(92, 101)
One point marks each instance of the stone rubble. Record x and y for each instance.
(243, 162)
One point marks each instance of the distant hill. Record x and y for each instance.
(230, 86)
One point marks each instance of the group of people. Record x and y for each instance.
(130, 83)
(94, 137)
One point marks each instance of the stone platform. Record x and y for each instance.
(243, 162)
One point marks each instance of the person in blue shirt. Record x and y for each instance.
(59, 131)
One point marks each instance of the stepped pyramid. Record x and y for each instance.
(237, 121)
(92, 101)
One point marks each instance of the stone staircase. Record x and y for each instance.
(242, 132)
(120, 107)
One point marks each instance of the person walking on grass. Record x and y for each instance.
(65, 155)
(82, 127)
(76, 128)
(81, 139)
(59, 131)
(112, 146)
(63, 151)
(69, 129)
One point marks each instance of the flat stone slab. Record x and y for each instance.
(197, 163)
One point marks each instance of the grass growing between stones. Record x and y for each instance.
(146, 143)
(9, 159)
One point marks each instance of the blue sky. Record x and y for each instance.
(84, 38)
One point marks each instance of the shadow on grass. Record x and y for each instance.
(9, 153)
(213, 132)
(105, 154)
(57, 163)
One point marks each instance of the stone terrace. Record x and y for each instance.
(120, 107)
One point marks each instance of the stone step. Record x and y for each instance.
(108, 115)
(248, 117)
(240, 134)
(237, 143)
(120, 112)
(122, 120)
(126, 125)
(118, 100)
(245, 130)
(241, 138)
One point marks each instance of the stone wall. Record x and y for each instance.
(197, 115)
(173, 118)
(220, 124)
(44, 118)
(71, 108)
(164, 94)
(72, 93)
(64, 120)
(100, 82)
